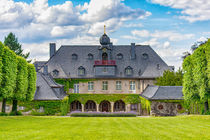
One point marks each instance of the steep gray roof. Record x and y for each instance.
(163, 93)
(47, 88)
(142, 67)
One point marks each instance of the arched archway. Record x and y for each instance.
(76, 106)
(119, 106)
(90, 106)
(104, 56)
(105, 106)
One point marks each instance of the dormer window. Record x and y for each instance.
(145, 56)
(128, 71)
(81, 71)
(74, 56)
(90, 56)
(158, 66)
(119, 56)
(55, 72)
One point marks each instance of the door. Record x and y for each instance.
(105, 107)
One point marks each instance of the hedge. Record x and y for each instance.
(102, 114)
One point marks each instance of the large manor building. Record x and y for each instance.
(106, 68)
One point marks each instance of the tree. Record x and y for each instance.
(12, 42)
(21, 83)
(1, 65)
(9, 72)
(170, 78)
(196, 76)
(31, 82)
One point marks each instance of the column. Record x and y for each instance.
(83, 109)
(128, 107)
(112, 106)
(97, 107)
(139, 108)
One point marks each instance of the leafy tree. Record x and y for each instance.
(21, 83)
(196, 76)
(31, 88)
(9, 72)
(170, 78)
(1, 65)
(12, 42)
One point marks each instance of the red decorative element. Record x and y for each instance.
(105, 62)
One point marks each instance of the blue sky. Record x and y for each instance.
(170, 27)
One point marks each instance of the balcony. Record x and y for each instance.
(105, 63)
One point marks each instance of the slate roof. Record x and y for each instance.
(163, 93)
(48, 89)
(39, 64)
(142, 67)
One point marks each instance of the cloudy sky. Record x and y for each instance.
(169, 26)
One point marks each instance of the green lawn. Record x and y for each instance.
(133, 128)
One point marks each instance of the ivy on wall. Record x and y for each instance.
(83, 98)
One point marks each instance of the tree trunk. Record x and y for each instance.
(14, 106)
(206, 106)
(4, 105)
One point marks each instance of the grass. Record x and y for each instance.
(96, 128)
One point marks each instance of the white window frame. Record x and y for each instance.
(118, 85)
(90, 86)
(105, 85)
(132, 85)
(76, 88)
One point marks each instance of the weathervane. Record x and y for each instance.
(104, 29)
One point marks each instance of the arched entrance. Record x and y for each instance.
(105, 106)
(119, 106)
(76, 106)
(90, 106)
(104, 56)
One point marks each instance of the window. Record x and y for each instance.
(160, 107)
(105, 69)
(179, 107)
(119, 56)
(81, 71)
(158, 66)
(128, 71)
(74, 56)
(55, 72)
(134, 107)
(76, 88)
(90, 56)
(118, 85)
(105, 85)
(132, 85)
(145, 56)
(90, 85)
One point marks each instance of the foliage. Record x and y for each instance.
(31, 82)
(1, 55)
(105, 128)
(196, 87)
(21, 80)
(145, 104)
(64, 106)
(15, 113)
(98, 98)
(103, 114)
(170, 78)
(3, 114)
(9, 72)
(12, 42)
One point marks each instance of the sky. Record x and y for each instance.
(170, 27)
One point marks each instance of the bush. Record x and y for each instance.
(15, 113)
(3, 114)
(103, 114)
(35, 113)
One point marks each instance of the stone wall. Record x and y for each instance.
(140, 85)
(165, 108)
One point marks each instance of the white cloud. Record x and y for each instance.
(166, 44)
(132, 25)
(140, 33)
(152, 42)
(192, 10)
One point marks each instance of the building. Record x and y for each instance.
(108, 69)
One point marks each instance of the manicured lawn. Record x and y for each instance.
(133, 128)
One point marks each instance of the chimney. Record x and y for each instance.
(133, 52)
(52, 49)
(45, 71)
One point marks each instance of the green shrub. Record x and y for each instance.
(102, 114)
(15, 113)
(64, 107)
(35, 113)
(3, 114)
